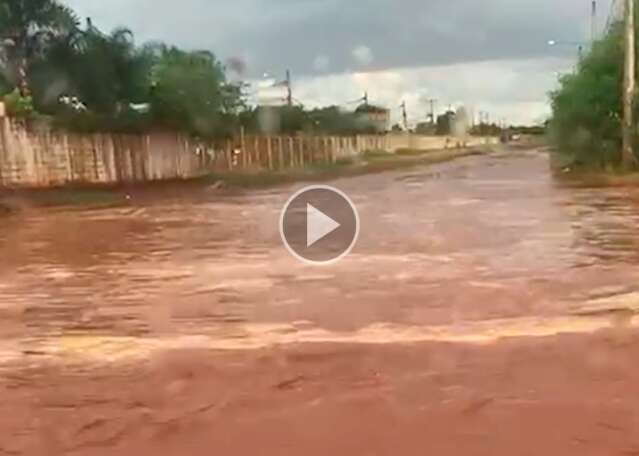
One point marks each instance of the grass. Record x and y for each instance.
(408, 152)
(16, 199)
(598, 179)
(590, 176)
(372, 162)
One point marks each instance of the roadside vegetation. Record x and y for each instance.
(373, 161)
(587, 108)
(79, 77)
(57, 68)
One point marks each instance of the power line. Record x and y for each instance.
(363, 99)
(289, 87)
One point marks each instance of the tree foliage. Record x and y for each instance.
(190, 92)
(27, 29)
(587, 107)
(18, 105)
(88, 80)
(444, 124)
(106, 72)
(331, 120)
(115, 84)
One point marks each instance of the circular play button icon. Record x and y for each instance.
(319, 225)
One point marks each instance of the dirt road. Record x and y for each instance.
(486, 310)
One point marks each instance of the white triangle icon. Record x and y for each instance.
(318, 225)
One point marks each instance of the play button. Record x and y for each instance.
(319, 225)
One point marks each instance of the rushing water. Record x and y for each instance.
(460, 248)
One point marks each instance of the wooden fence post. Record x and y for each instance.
(291, 151)
(229, 154)
(242, 147)
(269, 152)
(325, 150)
(333, 148)
(4, 128)
(280, 153)
(318, 156)
(257, 156)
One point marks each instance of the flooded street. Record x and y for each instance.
(487, 309)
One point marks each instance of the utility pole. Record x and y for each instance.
(404, 115)
(593, 21)
(627, 152)
(289, 89)
(432, 102)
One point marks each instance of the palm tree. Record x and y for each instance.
(27, 28)
(106, 72)
(110, 71)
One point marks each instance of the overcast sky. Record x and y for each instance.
(490, 55)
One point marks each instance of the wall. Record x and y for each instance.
(421, 142)
(43, 158)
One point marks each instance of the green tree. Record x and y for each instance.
(587, 107)
(107, 72)
(5, 84)
(334, 120)
(444, 125)
(111, 72)
(190, 92)
(27, 29)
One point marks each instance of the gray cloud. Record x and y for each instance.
(490, 53)
(278, 34)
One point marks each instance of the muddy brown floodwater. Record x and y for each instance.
(486, 310)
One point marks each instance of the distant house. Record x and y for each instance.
(373, 117)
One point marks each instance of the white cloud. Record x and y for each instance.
(515, 90)
(363, 55)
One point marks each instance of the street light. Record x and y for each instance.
(579, 44)
(566, 43)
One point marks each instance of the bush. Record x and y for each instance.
(89, 122)
(17, 105)
(587, 108)
(409, 152)
(372, 154)
(345, 161)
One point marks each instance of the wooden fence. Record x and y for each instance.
(44, 158)
(284, 152)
